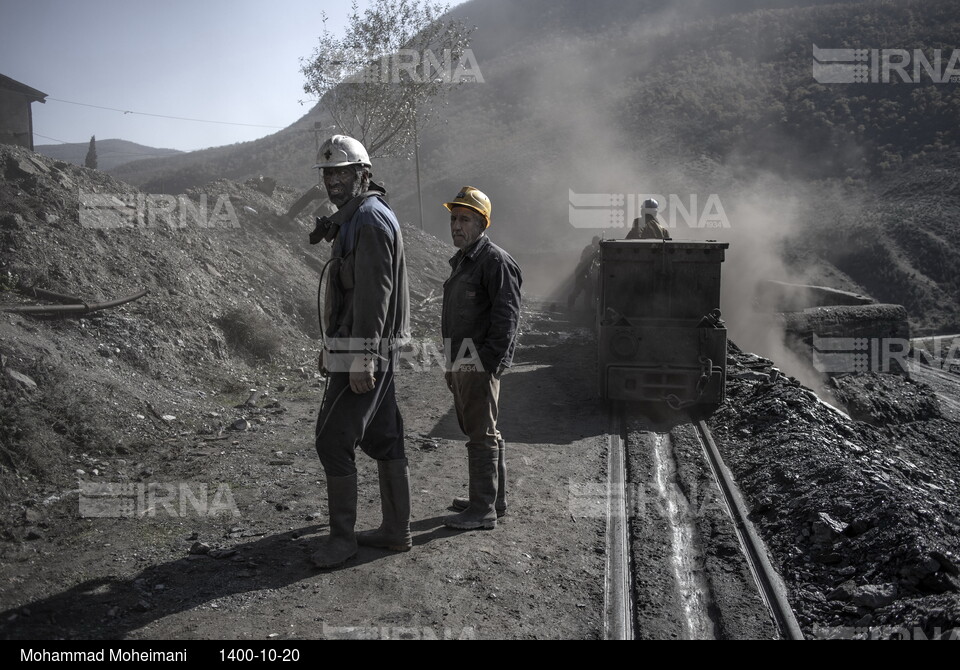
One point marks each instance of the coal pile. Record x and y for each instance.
(885, 400)
(859, 515)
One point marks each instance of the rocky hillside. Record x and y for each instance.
(685, 100)
(228, 293)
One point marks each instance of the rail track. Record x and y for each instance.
(618, 591)
(768, 581)
(675, 512)
(946, 385)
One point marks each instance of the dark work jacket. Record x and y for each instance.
(648, 228)
(368, 300)
(481, 301)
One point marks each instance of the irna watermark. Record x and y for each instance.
(143, 210)
(114, 500)
(860, 354)
(938, 352)
(884, 633)
(885, 66)
(345, 354)
(619, 210)
(835, 355)
(409, 66)
(597, 501)
(396, 633)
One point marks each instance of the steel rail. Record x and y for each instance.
(771, 586)
(618, 621)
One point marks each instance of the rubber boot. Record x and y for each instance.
(341, 544)
(394, 531)
(481, 513)
(501, 504)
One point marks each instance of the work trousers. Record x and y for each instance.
(370, 420)
(476, 397)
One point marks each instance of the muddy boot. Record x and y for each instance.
(394, 532)
(480, 513)
(501, 504)
(341, 544)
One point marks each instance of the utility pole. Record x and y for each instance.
(317, 127)
(416, 159)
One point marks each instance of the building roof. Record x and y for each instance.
(14, 85)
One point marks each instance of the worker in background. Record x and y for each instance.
(585, 276)
(647, 226)
(481, 315)
(366, 320)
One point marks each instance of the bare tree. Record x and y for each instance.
(388, 73)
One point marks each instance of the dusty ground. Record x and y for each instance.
(538, 575)
(859, 513)
(148, 396)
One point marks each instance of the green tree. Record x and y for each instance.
(375, 81)
(91, 160)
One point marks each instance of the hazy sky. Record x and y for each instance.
(233, 61)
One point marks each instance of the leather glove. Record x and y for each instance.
(324, 230)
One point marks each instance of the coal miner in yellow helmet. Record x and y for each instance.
(481, 313)
(472, 198)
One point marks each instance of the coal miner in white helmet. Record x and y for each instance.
(647, 226)
(365, 322)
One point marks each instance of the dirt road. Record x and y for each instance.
(538, 575)
(215, 538)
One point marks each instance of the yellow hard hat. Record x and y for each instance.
(474, 199)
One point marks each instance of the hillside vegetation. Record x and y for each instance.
(684, 98)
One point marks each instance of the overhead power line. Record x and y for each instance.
(53, 138)
(165, 116)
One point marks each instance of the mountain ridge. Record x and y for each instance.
(681, 99)
(111, 153)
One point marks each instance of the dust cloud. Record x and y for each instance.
(764, 216)
(546, 134)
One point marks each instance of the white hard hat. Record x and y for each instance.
(341, 150)
(650, 206)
